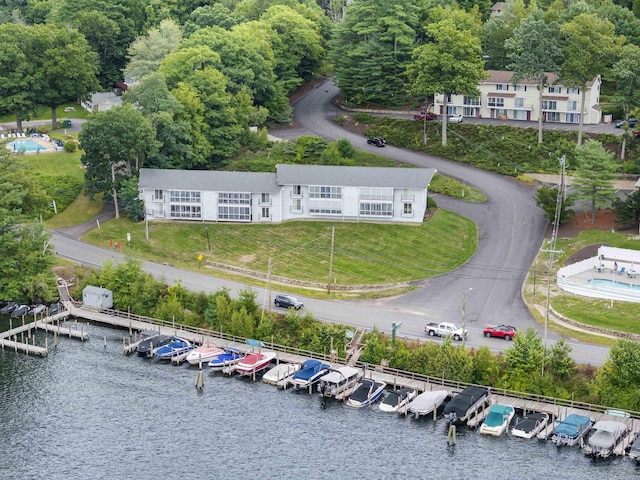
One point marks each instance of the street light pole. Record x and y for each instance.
(464, 312)
(206, 229)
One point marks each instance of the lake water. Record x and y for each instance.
(88, 412)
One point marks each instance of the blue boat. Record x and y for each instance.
(177, 346)
(570, 430)
(231, 356)
(310, 373)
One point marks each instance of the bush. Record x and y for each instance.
(345, 148)
(70, 146)
(63, 189)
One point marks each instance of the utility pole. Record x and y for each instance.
(333, 233)
(113, 186)
(269, 283)
(464, 312)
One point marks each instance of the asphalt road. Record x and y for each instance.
(511, 230)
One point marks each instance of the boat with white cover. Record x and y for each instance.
(606, 436)
(340, 382)
(204, 353)
(570, 430)
(394, 401)
(427, 402)
(280, 373)
(530, 425)
(367, 392)
(497, 420)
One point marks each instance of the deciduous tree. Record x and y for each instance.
(626, 73)
(524, 360)
(148, 51)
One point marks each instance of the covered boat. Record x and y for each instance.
(498, 420)
(394, 401)
(466, 403)
(570, 430)
(204, 353)
(634, 451)
(530, 425)
(255, 362)
(230, 356)
(427, 402)
(146, 346)
(20, 311)
(339, 382)
(9, 307)
(309, 374)
(367, 392)
(36, 309)
(177, 346)
(279, 374)
(606, 436)
(55, 308)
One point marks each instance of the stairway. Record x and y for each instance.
(354, 349)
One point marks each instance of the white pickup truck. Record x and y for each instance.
(445, 328)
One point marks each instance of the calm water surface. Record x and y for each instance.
(89, 412)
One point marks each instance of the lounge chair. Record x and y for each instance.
(22, 135)
(621, 271)
(2, 137)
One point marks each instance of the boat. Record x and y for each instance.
(427, 402)
(634, 451)
(36, 309)
(340, 382)
(177, 346)
(203, 354)
(466, 403)
(55, 308)
(398, 399)
(498, 420)
(309, 374)
(605, 437)
(255, 362)
(146, 346)
(8, 308)
(20, 311)
(530, 425)
(230, 356)
(570, 430)
(367, 392)
(279, 374)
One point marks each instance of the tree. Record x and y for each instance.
(147, 52)
(535, 53)
(594, 172)
(499, 28)
(216, 15)
(626, 73)
(116, 144)
(590, 47)
(524, 360)
(66, 67)
(547, 199)
(618, 379)
(451, 65)
(560, 361)
(130, 197)
(628, 210)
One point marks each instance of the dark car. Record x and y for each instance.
(501, 331)
(631, 122)
(423, 115)
(288, 301)
(377, 141)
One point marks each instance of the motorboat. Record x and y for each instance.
(397, 400)
(570, 430)
(54, 308)
(309, 374)
(36, 310)
(255, 362)
(530, 425)
(279, 374)
(230, 356)
(466, 403)
(606, 436)
(177, 346)
(20, 311)
(497, 420)
(427, 402)
(203, 354)
(634, 451)
(149, 344)
(340, 382)
(367, 393)
(9, 308)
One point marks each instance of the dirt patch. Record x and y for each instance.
(247, 258)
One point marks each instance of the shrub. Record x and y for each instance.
(70, 146)
(345, 148)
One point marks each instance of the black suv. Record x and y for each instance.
(377, 141)
(287, 301)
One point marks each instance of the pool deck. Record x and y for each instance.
(47, 145)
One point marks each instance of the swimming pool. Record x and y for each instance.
(603, 282)
(25, 146)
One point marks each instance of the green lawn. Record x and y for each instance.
(56, 163)
(364, 253)
(44, 113)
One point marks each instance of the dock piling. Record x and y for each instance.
(105, 341)
(451, 435)
(200, 378)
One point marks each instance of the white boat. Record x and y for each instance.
(427, 402)
(606, 436)
(203, 354)
(340, 382)
(530, 425)
(397, 400)
(366, 394)
(177, 346)
(634, 451)
(255, 363)
(498, 420)
(279, 374)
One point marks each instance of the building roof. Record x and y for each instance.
(354, 176)
(101, 97)
(206, 180)
(498, 6)
(504, 77)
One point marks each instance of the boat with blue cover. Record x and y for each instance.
(497, 420)
(367, 393)
(570, 430)
(231, 356)
(177, 346)
(309, 374)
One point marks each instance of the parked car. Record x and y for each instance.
(422, 115)
(632, 123)
(445, 328)
(635, 133)
(377, 141)
(455, 119)
(288, 301)
(501, 331)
